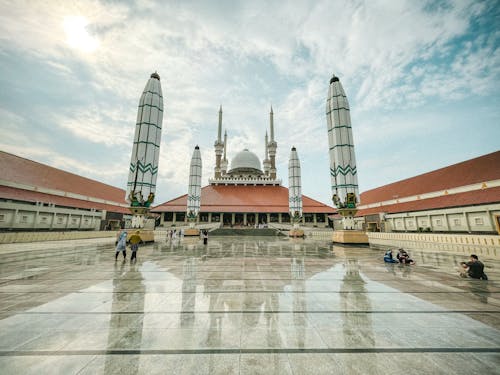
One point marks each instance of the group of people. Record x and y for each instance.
(402, 257)
(121, 245)
(135, 239)
(173, 234)
(474, 268)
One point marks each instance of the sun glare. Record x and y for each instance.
(77, 35)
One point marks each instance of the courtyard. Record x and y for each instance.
(242, 305)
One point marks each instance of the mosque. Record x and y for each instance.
(244, 193)
(460, 198)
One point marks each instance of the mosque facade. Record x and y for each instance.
(245, 192)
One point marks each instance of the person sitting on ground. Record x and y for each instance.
(474, 268)
(404, 257)
(388, 257)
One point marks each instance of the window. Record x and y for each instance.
(424, 222)
(24, 219)
(456, 222)
(43, 219)
(439, 223)
(308, 218)
(399, 224)
(73, 221)
(86, 221)
(478, 221)
(59, 220)
(2, 217)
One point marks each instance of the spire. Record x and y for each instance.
(225, 144)
(267, 153)
(271, 123)
(219, 130)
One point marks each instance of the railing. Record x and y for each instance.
(19, 237)
(482, 245)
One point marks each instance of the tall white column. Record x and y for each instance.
(343, 169)
(143, 171)
(294, 188)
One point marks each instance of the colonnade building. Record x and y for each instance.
(37, 197)
(460, 198)
(244, 193)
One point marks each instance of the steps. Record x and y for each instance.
(245, 232)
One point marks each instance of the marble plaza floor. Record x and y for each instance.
(242, 306)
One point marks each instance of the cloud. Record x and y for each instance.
(98, 124)
(37, 146)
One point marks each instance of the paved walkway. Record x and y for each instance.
(242, 306)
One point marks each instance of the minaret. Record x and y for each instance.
(143, 170)
(272, 145)
(294, 192)
(219, 146)
(342, 160)
(224, 162)
(194, 187)
(266, 163)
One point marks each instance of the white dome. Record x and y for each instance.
(245, 160)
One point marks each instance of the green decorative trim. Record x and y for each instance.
(143, 168)
(340, 126)
(147, 143)
(152, 106)
(344, 185)
(152, 92)
(148, 123)
(336, 109)
(141, 184)
(336, 96)
(343, 171)
(345, 144)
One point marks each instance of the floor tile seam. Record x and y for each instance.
(236, 292)
(256, 312)
(92, 359)
(97, 352)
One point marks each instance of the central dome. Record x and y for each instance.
(245, 161)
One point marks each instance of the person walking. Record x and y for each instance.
(205, 237)
(121, 245)
(135, 239)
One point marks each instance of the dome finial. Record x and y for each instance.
(334, 78)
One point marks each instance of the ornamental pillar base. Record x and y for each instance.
(350, 237)
(296, 233)
(191, 232)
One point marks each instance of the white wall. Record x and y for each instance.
(461, 219)
(25, 216)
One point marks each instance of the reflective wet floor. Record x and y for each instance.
(242, 305)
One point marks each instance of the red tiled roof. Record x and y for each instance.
(240, 198)
(481, 169)
(7, 192)
(23, 171)
(469, 198)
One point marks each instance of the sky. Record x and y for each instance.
(422, 79)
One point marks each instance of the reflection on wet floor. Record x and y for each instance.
(243, 305)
